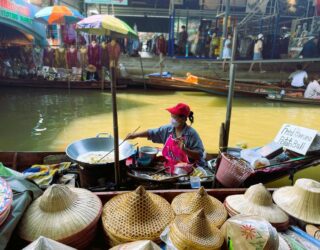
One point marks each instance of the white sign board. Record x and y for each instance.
(295, 138)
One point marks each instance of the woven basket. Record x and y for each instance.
(194, 232)
(67, 215)
(189, 203)
(137, 215)
(257, 200)
(232, 172)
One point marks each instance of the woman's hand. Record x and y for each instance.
(131, 136)
(181, 144)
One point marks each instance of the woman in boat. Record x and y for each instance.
(313, 88)
(181, 142)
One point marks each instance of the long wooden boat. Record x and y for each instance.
(100, 241)
(291, 99)
(217, 86)
(19, 161)
(33, 83)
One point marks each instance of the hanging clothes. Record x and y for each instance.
(60, 58)
(104, 56)
(48, 57)
(83, 56)
(94, 55)
(72, 57)
(37, 55)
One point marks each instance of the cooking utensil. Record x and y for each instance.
(119, 145)
(98, 143)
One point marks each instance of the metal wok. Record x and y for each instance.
(84, 146)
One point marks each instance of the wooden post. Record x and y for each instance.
(115, 123)
(142, 72)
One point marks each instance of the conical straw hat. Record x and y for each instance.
(137, 215)
(250, 232)
(60, 213)
(257, 200)
(43, 243)
(188, 203)
(301, 201)
(138, 245)
(195, 232)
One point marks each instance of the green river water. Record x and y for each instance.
(49, 119)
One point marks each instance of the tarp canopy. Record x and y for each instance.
(148, 24)
(13, 37)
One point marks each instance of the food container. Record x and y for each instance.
(148, 152)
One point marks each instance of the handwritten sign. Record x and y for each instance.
(295, 138)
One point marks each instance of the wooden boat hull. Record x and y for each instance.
(300, 100)
(217, 86)
(30, 83)
(19, 161)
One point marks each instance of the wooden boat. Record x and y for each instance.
(19, 161)
(217, 86)
(292, 99)
(33, 83)
(100, 241)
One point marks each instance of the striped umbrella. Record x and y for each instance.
(105, 25)
(58, 15)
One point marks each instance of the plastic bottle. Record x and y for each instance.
(187, 49)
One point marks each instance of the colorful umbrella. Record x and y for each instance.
(58, 15)
(105, 25)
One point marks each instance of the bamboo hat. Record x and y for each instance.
(250, 232)
(189, 203)
(138, 245)
(137, 215)
(91, 68)
(195, 232)
(63, 214)
(257, 200)
(301, 201)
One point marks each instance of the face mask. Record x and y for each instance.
(174, 122)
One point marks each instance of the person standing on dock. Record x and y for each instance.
(257, 52)
(226, 53)
(183, 39)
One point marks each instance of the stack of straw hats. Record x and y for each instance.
(67, 215)
(257, 200)
(188, 203)
(195, 232)
(6, 199)
(301, 201)
(247, 232)
(137, 215)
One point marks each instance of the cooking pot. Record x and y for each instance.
(98, 143)
(148, 152)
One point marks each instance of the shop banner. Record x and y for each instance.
(115, 2)
(17, 10)
(255, 6)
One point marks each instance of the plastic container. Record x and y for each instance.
(195, 181)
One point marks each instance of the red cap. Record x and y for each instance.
(180, 109)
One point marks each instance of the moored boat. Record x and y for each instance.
(292, 99)
(217, 86)
(59, 84)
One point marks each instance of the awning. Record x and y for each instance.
(148, 24)
(13, 37)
